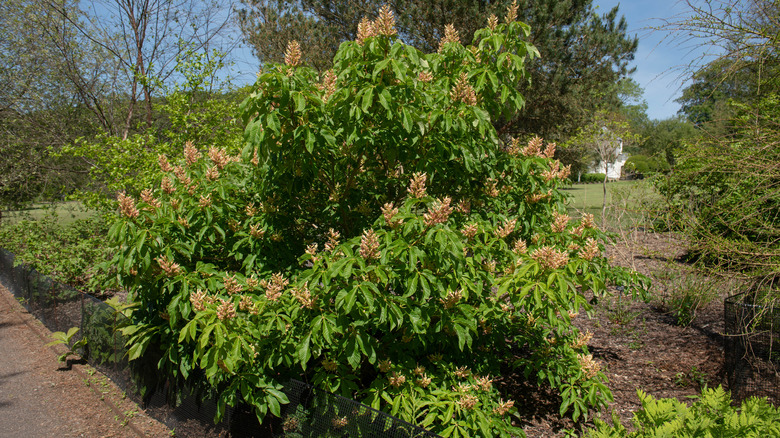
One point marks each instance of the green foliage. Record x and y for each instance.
(67, 253)
(643, 165)
(191, 112)
(724, 193)
(592, 178)
(66, 339)
(710, 415)
(374, 238)
(585, 53)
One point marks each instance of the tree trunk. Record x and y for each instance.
(604, 199)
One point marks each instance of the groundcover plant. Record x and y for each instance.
(375, 238)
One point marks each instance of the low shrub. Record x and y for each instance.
(640, 166)
(68, 253)
(711, 415)
(590, 178)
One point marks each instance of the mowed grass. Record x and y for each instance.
(626, 200)
(66, 212)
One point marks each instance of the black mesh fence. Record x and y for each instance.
(310, 413)
(752, 347)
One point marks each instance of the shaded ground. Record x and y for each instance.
(40, 399)
(638, 344)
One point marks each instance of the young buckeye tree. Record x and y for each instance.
(375, 238)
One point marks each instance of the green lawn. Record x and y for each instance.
(67, 212)
(626, 200)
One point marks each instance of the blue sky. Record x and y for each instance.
(659, 61)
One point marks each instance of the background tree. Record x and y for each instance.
(723, 190)
(604, 139)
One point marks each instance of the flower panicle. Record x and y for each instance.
(328, 85)
(417, 185)
(506, 229)
(492, 22)
(191, 153)
(226, 310)
(275, 286)
(590, 250)
(452, 299)
(369, 245)
(511, 13)
(550, 258)
(463, 91)
(170, 267)
(450, 36)
(439, 212)
(127, 206)
(292, 56)
(148, 197)
(389, 212)
(165, 166)
(560, 221)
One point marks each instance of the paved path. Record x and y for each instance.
(38, 399)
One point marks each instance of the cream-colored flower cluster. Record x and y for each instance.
(451, 299)
(328, 85)
(450, 36)
(463, 91)
(582, 340)
(369, 245)
(559, 222)
(556, 171)
(232, 285)
(396, 380)
(590, 368)
(417, 185)
(168, 266)
(127, 206)
(292, 56)
(383, 25)
(590, 250)
(511, 13)
(492, 22)
(303, 295)
(520, 247)
(333, 240)
(274, 287)
(550, 258)
(439, 212)
(200, 300)
(389, 212)
(469, 231)
(506, 229)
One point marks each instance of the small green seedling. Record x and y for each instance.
(67, 340)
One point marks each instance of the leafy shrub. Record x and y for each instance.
(375, 238)
(592, 178)
(710, 415)
(69, 253)
(643, 165)
(724, 193)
